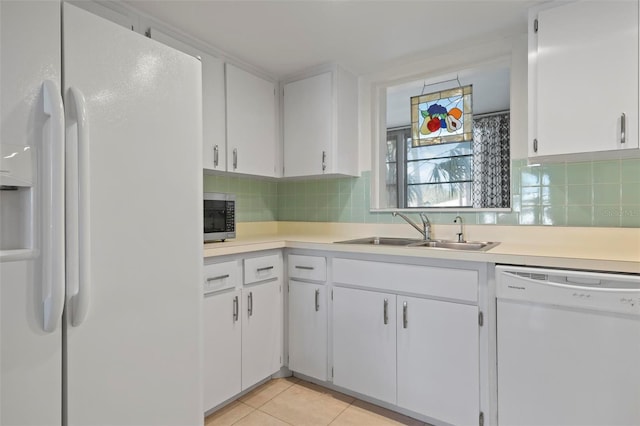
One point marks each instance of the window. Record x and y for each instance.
(429, 176)
(471, 174)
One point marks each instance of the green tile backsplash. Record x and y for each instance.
(598, 193)
(256, 199)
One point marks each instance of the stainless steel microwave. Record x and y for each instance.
(219, 216)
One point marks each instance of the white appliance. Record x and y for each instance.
(101, 212)
(568, 347)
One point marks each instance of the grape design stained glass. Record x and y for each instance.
(442, 117)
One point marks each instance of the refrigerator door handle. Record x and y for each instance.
(53, 232)
(78, 218)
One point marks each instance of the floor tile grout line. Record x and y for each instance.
(340, 413)
(276, 417)
(252, 410)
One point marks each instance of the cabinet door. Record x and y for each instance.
(308, 329)
(364, 342)
(261, 331)
(585, 77)
(213, 102)
(251, 123)
(308, 124)
(222, 339)
(438, 359)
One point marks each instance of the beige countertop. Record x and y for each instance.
(600, 249)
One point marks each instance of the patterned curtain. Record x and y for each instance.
(491, 162)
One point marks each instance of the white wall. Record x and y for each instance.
(445, 60)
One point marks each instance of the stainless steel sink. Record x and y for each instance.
(413, 242)
(383, 241)
(455, 245)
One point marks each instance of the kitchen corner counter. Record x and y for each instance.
(607, 254)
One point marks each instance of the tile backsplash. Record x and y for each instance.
(597, 193)
(256, 199)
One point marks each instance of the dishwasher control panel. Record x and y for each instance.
(578, 289)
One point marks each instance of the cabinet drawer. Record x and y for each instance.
(221, 276)
(307, 267)
(460, 284)
(262, 268)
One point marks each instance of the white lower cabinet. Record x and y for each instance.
(261, 331)
(364, 342)
(242, 325)
(409, 335)
(438, 365)
(222, 347)
(308, 316)
(308, 329)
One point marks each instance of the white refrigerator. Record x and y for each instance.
(100, 214)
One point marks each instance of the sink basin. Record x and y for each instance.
(454, 245)
(414, 242)
(383, 241)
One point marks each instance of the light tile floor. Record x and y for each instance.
(291, 401)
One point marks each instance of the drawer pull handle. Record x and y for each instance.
(306, 268)
(266, 268)
(250, 303)
(405, 319)
(385, 316)
(317, 300)
(219, 277)
(235, 309)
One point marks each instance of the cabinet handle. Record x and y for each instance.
(386, 311)
(219, 277)
(535, 145)
(306, 268)
(405, 321)
(250, 303)
(235, 309)
(324, 160)
(266, 268)
(215, 156)
(235, 158)
(623, 128)
(317, 300)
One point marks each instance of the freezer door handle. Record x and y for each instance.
(78, 217)
(53, 262)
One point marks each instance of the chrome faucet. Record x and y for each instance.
(426, 225)
(460, 234)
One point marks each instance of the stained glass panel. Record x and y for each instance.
(442, 117)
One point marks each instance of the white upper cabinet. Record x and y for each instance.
(251, 123)
(213, 103)
(583, 80)
(320, 116)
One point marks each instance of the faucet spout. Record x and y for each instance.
(426, 225)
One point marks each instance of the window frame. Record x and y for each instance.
(497, 52)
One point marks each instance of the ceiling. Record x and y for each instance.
(285, 37)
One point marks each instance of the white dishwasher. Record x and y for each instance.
(568, 347)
